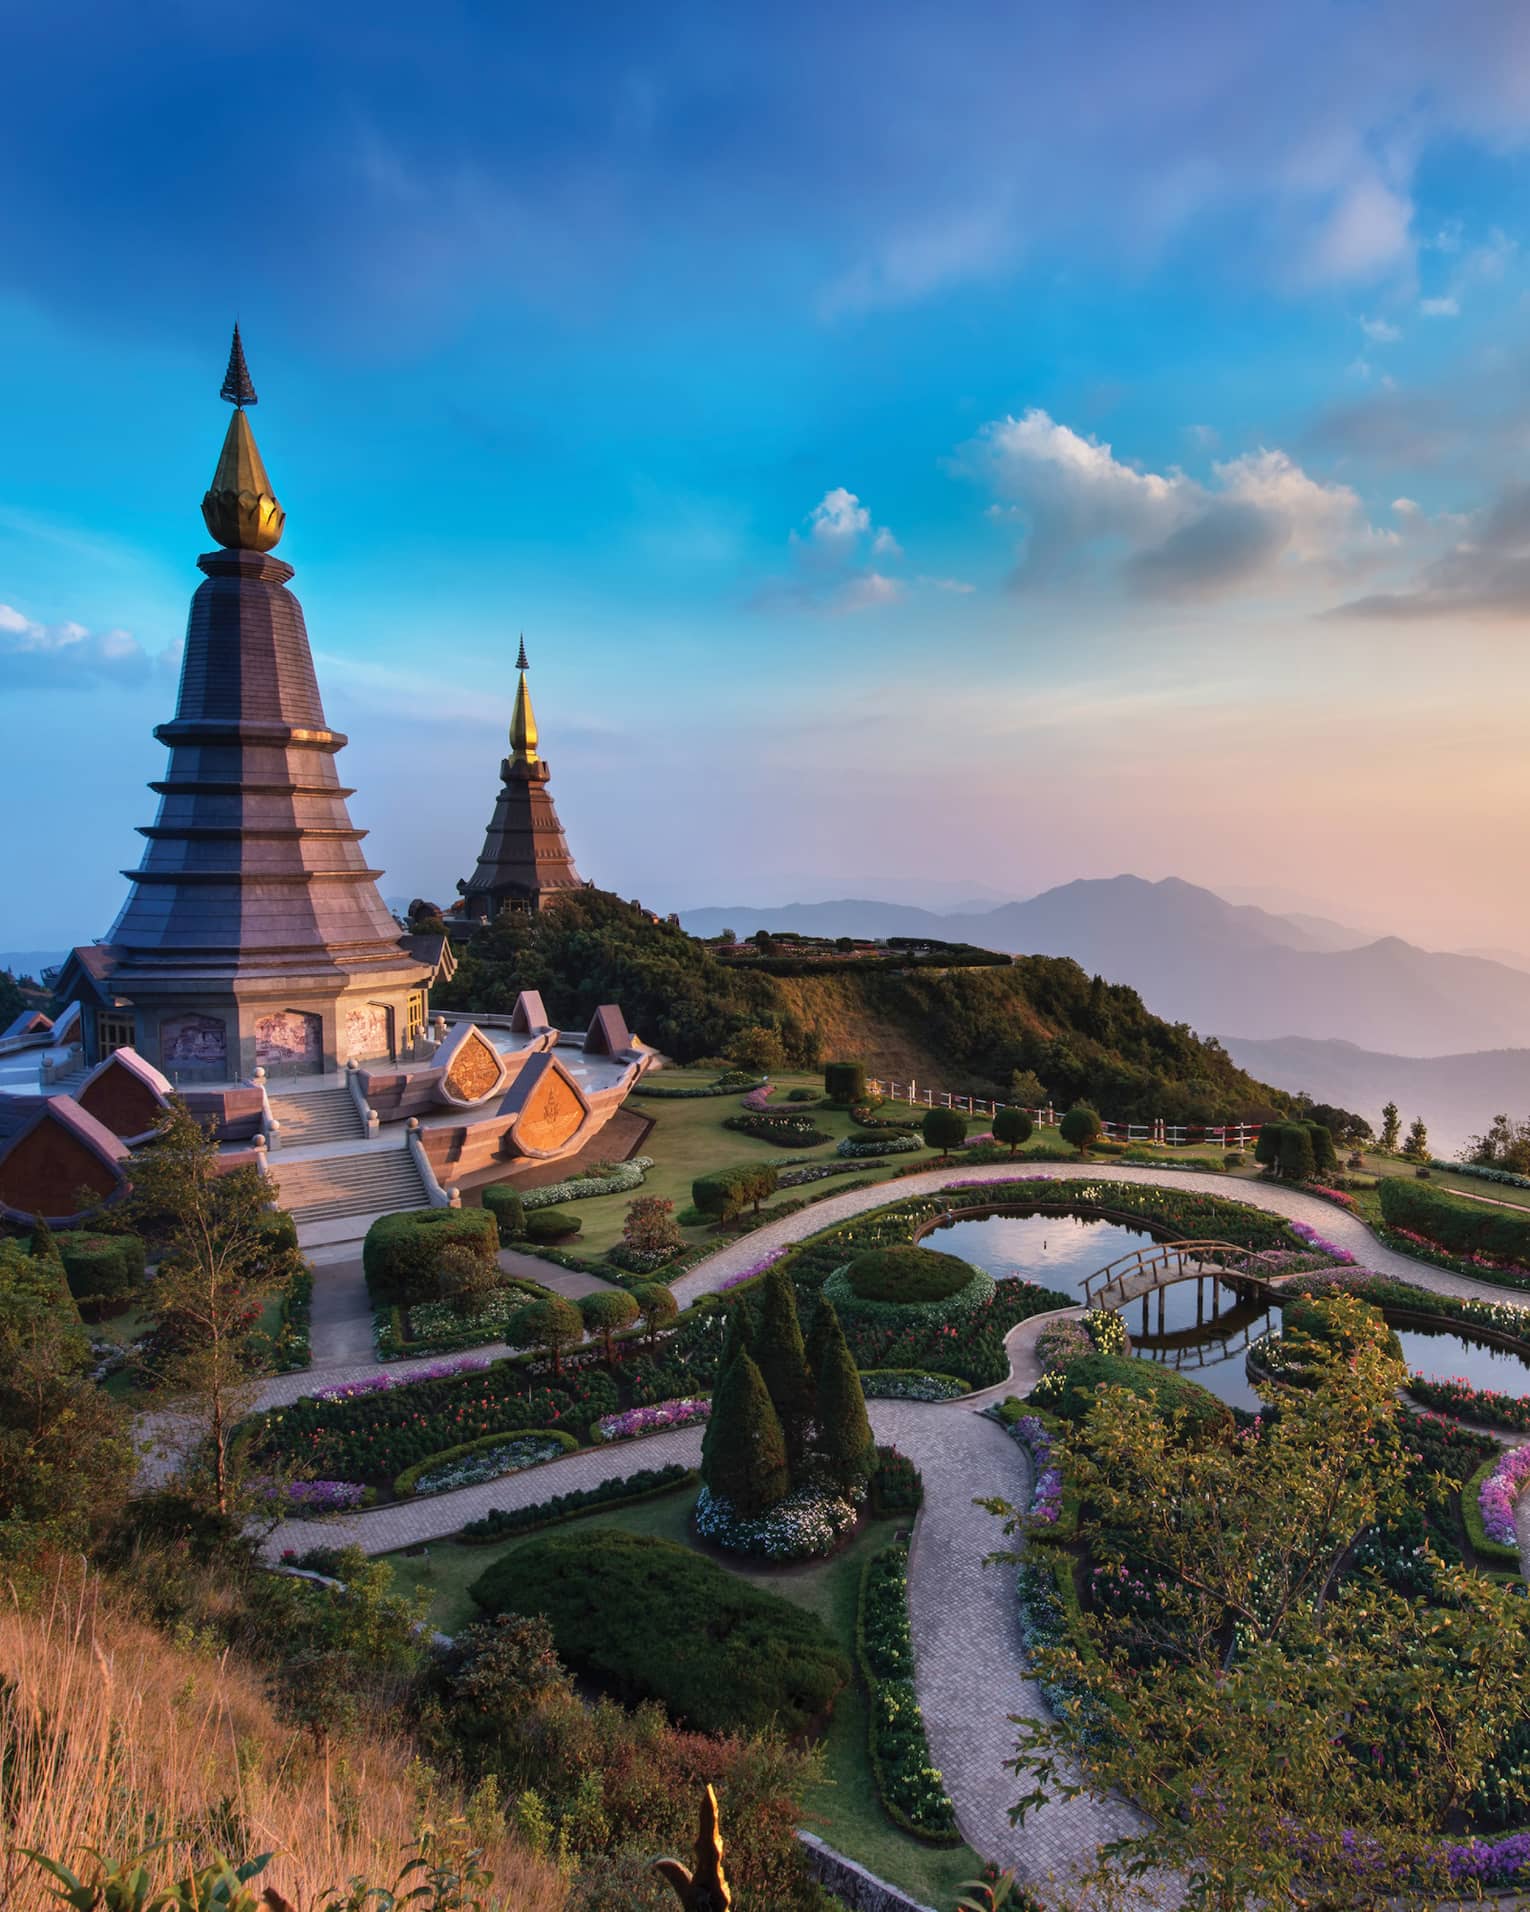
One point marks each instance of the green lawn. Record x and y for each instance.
(843, 1808)
(1458, 1184)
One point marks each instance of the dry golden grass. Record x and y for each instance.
(111, 1737)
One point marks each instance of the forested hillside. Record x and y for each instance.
(968, 1029)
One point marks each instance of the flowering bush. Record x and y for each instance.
(324, 1496)
(1035, 1437)
(1062, 1342)
(1506, 1317)
(785, 1131)
(857, 1148)
(911, 1384)
(911, 1786)
(804, 1526)
(620, 1179)
(383, 1383)
(1331, 1194)
(1459, 1397)
(478, 1461)
(1107, 1331)
(649, 1420)
(1499, 1492)
(1319, 1246)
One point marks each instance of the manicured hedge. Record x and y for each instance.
(784, 1131)
(373, 1437)
(901, 1763)
(549, 1226)
(401, 1251)
(907, 1275)
(1455, 1222)
(975, 1294)
(845, 1081)
(1073, 1395)
(504, 1523)
(101, 1268)
(647, 1619)
(504, 1203)
(406, 1483)
(724, 1193)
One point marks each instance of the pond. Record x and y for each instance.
(1201, 1329)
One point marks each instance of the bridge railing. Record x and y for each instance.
(1163, 1257)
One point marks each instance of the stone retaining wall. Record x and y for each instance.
(853, 1885)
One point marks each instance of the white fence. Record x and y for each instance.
(1231, 1135)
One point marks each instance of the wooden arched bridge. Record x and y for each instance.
(1161, 1264)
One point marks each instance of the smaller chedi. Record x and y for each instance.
(525, 862)
(254, 968)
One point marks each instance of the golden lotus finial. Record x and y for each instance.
(523, 724)
(240, 508)
(704, 1887)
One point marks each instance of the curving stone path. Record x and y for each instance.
(970, 1659)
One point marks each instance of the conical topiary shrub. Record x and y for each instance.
(846, 1450)
(782, 1361)
(745, 1458)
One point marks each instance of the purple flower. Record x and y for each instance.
(384, 1383)
(649, 1420)
(1320, 1246)
(748, 1274)
(324, 1496)
(1499, 1492)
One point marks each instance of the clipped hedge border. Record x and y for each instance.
(685, 1091)
(953, 1385)
(624, 1178)
(404, 1485)
(951, 1308)
(506, 1523)
(898, 1687)
(1492, 1553)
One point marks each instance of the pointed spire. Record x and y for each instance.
(238, 388)
(523, 725)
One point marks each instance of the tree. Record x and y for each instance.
(218, 1262)
(757, 1049)
(1416, 1148)
(845, 1449)
(845, 1082)
(552, 1325)
(728, 938)
(1079, 1127)
(66, 1459)
(1013, 1126)
(744, 1459)
(1297, 1155)
(606, 1312)
(1391, 1128)
(649, 1229)
(1026, 1090)
(1505, 1145)
(42, 1244)
(1261, 1689)
(820, 1333)
(726, 1192)
(465, 1278)
(782, 1359)
(657, 1308)
(1324, 1155)
(943, 1129)
(1343, 1124)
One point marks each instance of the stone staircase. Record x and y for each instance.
(322, 1115)
(375, 1181)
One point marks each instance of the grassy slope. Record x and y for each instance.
(849, 1027)
(1472, 1185)
(843, 1807)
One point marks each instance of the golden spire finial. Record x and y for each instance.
(240, 508)
(704, 1887)
(523, 725)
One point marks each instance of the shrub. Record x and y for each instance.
(471, 1462)
(944, 1129)
(504, 1203)
(1013, 1127)
(646, 1619)
(782, 1131)
(553, 1325)
(501, 1523)
(656, 1307)
(1079, 1127)
(844, 1450)
(1234, 1158)
(100, 1268)
(845, 1082)
(857, 1148)
(649, 1234)
(778, 1349)
(606, 1312)
(552, 1228)
(901, 1764)
(911, 1384)
(725, 1193)
(400, 1251)
(1204, 1414)
(804, 1095)
(743, 1458)
(908, 1276)
(605, 1178)
(932, 1318)
(895, 1484)
(1455, 1223)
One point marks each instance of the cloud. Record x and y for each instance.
(839, 563)
(68, 656)
(1365, 233)
(1484, 574)
(839, 515)
(1380, 331)
(959, 586)
(1442, 308)
(1172, 536)
(867, 591)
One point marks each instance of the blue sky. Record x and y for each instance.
(925, 449)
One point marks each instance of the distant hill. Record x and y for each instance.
(962, 1029)
(1195, 958)
(1456, 1095)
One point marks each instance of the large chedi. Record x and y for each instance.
(253, 933)
(525, 862)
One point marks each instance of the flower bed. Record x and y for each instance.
(1503, 1317)
(679, 1091)
(501, 1523)
(637, 1421)
(325, 1496)
(911, 1787)
(620, 1179)
(385, 1383)
(436, 1327)
(1036, 1438)
(1505, 1178)
(1469, 1403)
(911, 1384)
(809, 1172)
(375, 1436)
(973, 1295)
(758, 1100)
(857, 1148)
(806, 1525)
(474, 1462)
(1341, 1257)
(784, 1131)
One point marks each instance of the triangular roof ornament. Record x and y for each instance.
(520, 662)
(238, 388)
